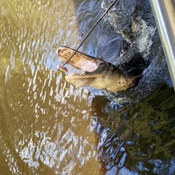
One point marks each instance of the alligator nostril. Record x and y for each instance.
(57, 51)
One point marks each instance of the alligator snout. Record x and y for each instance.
(59, 50)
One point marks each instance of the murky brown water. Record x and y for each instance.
(50, 127)
(44, 122)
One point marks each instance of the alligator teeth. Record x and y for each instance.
(74, 73)
(71, 74)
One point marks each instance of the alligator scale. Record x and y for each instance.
(96, 72)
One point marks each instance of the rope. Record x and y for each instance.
(102, 16)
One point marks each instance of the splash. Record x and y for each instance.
(144, 37)
(138, 30)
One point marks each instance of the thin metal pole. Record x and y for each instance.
(164, 13)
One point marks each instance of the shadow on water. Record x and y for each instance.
(50, 127)
(137, 139)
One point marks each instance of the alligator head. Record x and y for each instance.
(96, 72)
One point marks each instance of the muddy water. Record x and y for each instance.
(50, 127)
(45, 124)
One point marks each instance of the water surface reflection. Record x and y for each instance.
(138, 138)
(45, 123)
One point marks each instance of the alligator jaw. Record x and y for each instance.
(97, 73)
(79, 60)
(84, 79)
(92, 68)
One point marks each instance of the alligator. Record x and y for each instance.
(97, 72)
